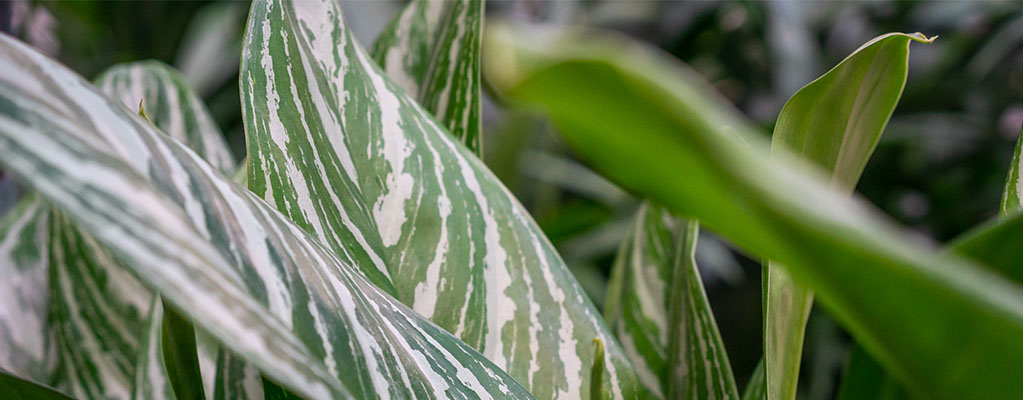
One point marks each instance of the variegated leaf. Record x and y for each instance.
(432, 50)
(835, 122)
(171, 105)
(26, 341)
(151, 381)
(97, 309)
(658, 309)
(265, 289)
(354, 160)
(1012, 196)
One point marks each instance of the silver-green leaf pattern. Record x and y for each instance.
(835, 122)
(26, 343)
(432, 50)
(242, 271)
(659, 310)
(151, 381)
(354, 160)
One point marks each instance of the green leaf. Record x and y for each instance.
(939, 322)
(756, 388)
(664, 320)
(865, 380)
(240, 270)
(835, 123)
(15, 388)
(432, 50)
(355, 161)
(1012, 196)
(26, 341)
(992, 243)
(180, 356)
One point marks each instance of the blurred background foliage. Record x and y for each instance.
(938, 169)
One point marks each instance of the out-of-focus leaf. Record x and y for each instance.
(865, 380)
(151, 379)
(265, 289)
(835, 123)
(944, 325)
(432, 50)
(26, 341)
(659, 311)
(15, 388)
(355, 161)
(756, 388)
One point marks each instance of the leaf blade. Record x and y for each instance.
(756, 201)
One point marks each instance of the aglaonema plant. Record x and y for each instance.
(363, 250)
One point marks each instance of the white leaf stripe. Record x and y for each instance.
(458, 247)
(151, 381)
(250, 277)
(170, 104)
(661, 314)
(26, 341)
(97, 310)
(432, 50)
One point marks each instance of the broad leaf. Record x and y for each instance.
(865, 380)
(910, 307)
(432, 50)
(835, 123)
(355, 161)
(244, 273)
(659, 311)
(26, 343)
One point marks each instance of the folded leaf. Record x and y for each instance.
(355, 161)
(835, 123)
(240, 270)
(939, 322)
(659, 311)
(432, 50)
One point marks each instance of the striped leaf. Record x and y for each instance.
(1012, 196)
(888, 292)
(835, 123)
(170, 104)
(151, 381)
(355, 161)
(26, 341)
(266, 290)
(659, 311)
(97, 309)
(432, 50)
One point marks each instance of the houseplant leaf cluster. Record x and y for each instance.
(363, 250)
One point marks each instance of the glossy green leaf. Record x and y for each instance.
(355, 161)
(15, 388)
(268, 292)
(26, 342)
(835, 123)
(432, 50)
(180, 355)
(659, 311)
(912, 308)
